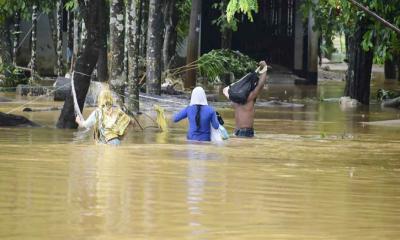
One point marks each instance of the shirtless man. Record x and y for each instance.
(244, 114)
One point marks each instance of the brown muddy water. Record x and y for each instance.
(311, 173)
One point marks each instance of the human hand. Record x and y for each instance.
(78, 120)
(263, 68)
(225, 91)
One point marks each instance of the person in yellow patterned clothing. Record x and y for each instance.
(110, 123)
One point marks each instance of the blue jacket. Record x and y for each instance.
(207, 116)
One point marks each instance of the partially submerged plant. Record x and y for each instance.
(383, 94)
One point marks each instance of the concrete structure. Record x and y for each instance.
(46, 53)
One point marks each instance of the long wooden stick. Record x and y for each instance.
(376, 16)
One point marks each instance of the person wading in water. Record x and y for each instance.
(244, 113)
(201, 116)
(109, 122)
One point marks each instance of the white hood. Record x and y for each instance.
(198, 97)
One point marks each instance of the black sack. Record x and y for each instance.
(240, 90)
(219, 118)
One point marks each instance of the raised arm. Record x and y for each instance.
(261, 82)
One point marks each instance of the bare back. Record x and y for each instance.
(244, 114)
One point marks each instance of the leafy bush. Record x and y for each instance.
(11, 76)
(222, 61)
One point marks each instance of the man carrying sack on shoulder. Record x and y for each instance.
(243, 95)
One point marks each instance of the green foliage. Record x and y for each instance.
(12, 76)
(333, 16)
(184, 8)
(218, 62)
(23, 7)
(222, 21)
(241, 6)
(229, 8)
(329, 16)
(71, 4)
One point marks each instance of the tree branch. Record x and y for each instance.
(376, 16)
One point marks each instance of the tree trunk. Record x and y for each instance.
(171, 19)
(134, 22)
(53, 30)
(226, 39)
(86, 60)
(154, 48)
(17, 22)
(60, 8)
(390, 69)
(33, 42)
(145, 18)
(5, 42)
(117, 38)
(82, 37)
(398, 66)
(360, 66)
(126, 39)
(226, 32)
(347, 37)
(226, 42)
(320, 49)
(102, 62)
(77, 33)
(193, 42)
(70, 44)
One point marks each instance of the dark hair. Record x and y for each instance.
(198, 116)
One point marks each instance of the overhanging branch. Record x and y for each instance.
(376, 16)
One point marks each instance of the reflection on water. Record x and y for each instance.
(311, 173)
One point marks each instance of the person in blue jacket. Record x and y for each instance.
(201, 116)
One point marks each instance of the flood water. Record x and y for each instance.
(310, 173)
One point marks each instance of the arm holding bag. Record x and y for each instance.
(240, 90)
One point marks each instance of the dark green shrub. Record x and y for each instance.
(11, 76)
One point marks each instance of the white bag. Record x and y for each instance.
(218, 135)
